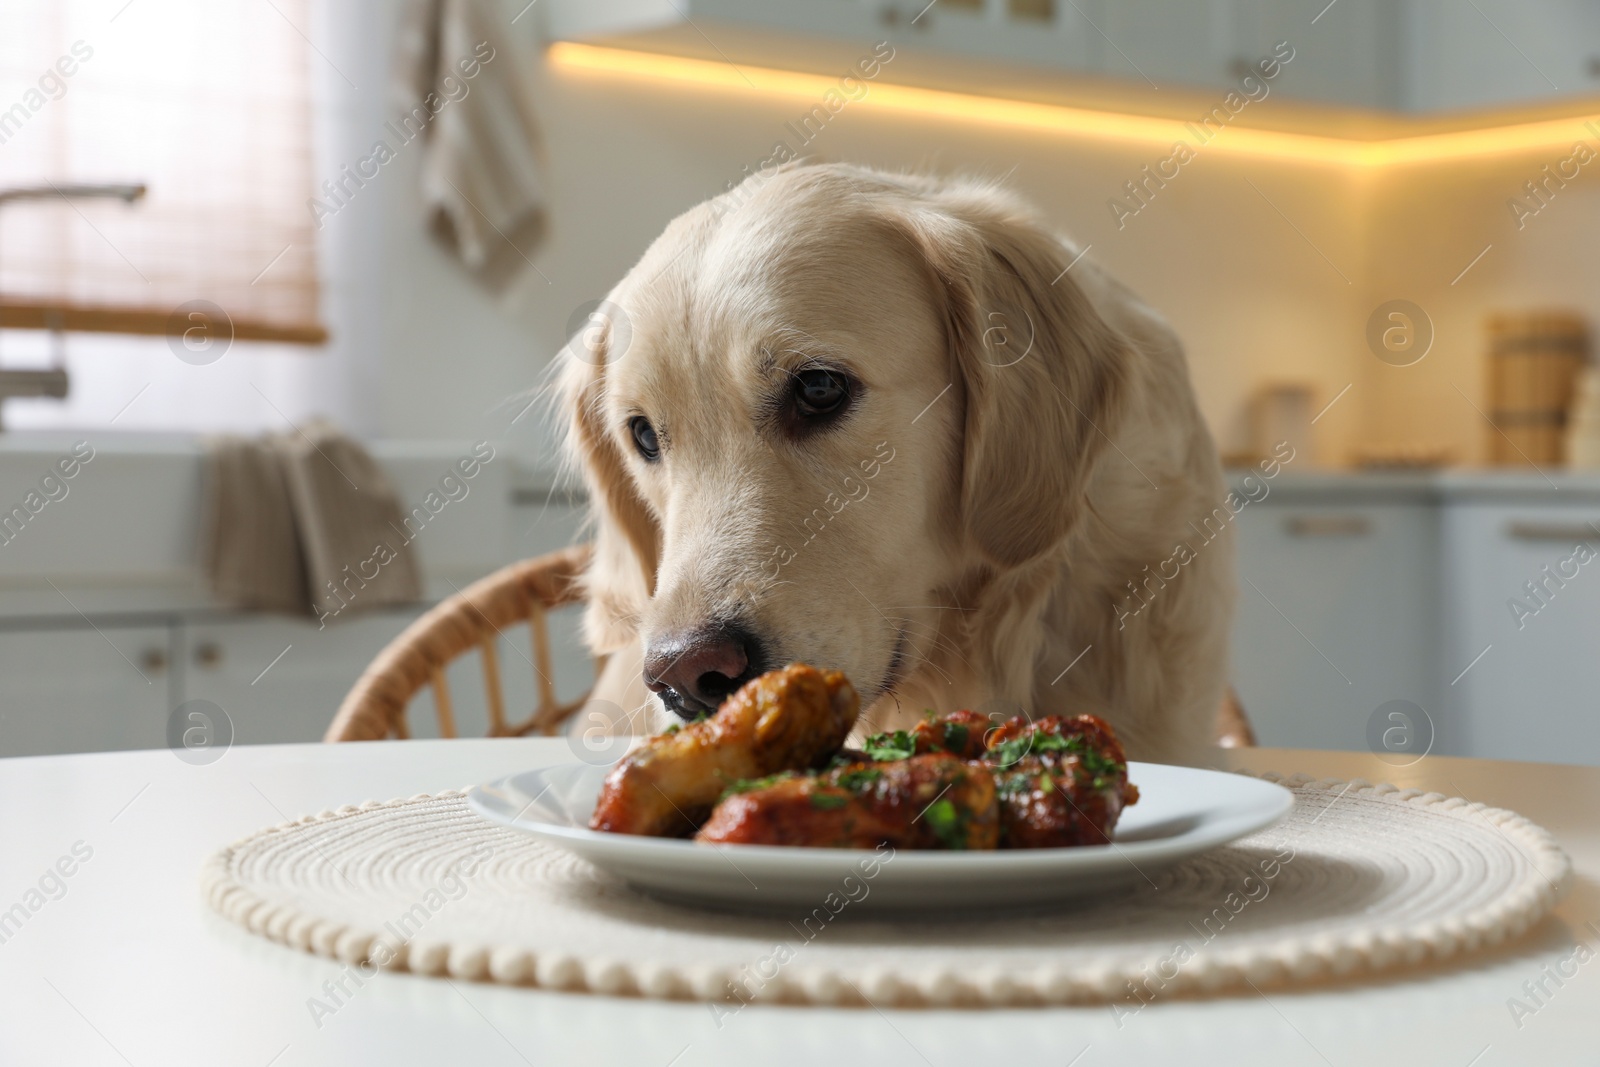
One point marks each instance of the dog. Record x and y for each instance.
(890, 424)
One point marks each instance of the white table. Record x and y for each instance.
(130, 966)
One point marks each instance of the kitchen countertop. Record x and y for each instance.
(130, 966)
(121, 544)
(1428, 486)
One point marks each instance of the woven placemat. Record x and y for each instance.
(1358, 877)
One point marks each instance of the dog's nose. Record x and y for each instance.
(694, 672)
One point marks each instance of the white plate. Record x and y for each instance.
(1181, 813)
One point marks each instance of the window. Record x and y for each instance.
(208, 106)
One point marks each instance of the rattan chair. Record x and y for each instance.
(477, 617)
(474, 618)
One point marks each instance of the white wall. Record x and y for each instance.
(1427, 224)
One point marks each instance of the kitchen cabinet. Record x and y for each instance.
(104, 635)
(1496, 52)
(1524, 595)
(1353, 55)
(1335, 617)
(1195, 45)
(281, 679)
(72, 688)
(1473, 595)
(106, 684)
(1407, 56)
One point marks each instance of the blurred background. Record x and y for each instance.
(252, 251)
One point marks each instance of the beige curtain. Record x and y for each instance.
(208, 104)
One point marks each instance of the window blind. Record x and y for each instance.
(208, 105)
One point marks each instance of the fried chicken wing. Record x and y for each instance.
(961, 733)
(1061, 781)
(785, 720)
(952, 782)
(933, 801)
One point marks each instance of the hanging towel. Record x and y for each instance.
(252, 550)
(305, 524)
(482, 176)
(348, 519)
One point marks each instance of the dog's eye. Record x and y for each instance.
(644, 438)
(820, 392)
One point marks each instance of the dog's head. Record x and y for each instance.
(818, 408)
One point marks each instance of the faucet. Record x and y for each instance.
(53, 381)
(127, 192)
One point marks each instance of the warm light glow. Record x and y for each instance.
(1082, 122)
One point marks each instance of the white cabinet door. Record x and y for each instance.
(1496, 52)
(1530, 635)
(1169, 44)
(280, 679)
(283, 680)
(1411, 55)
(1351, 55)
(79, 690)
(1335, 618)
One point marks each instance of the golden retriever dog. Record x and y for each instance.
(892, 425)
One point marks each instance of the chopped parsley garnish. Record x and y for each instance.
(946, 822)
(1008, 752)
(859, 779)
(1099, 766)
(955, 736)
(1091, 761)
(1010, 784)
(828, 801)
(1090, 766)
(895, 746)
(750, 785)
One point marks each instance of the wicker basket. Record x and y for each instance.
(1534, 361)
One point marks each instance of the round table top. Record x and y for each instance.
(113, 958)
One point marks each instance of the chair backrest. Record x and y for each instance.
(1233, 725)
(472, 619)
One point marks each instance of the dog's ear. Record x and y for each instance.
(1043, 373)
(622, 574)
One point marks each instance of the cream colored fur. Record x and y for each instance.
(1044, 448)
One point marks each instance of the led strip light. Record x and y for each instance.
(1085, 122)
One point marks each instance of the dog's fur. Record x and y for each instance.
(945, 547)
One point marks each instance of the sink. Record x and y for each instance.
(130, 517)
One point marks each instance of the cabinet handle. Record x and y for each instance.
(208, 654)
(153, 660)
(1328, 526)
(1567, 533)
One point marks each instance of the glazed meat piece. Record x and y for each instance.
(785, 720)
(961, 733)
(933, 801)
(1060, 781)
